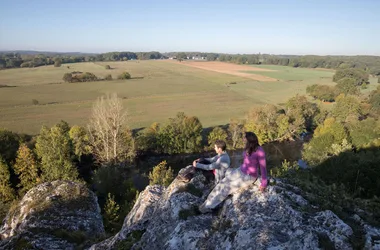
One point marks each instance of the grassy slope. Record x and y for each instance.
(165, 89)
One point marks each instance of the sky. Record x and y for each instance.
(319, 27)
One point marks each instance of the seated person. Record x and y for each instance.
(219, 163)
(248, 173)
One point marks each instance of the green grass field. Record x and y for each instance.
(158, 91)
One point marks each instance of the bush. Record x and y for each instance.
(35, 102)
(107, 67)
(111, 215)
(378, 80)
(161, 175)
(108, 77)
(67, 77)
(360, 76)
(26, 65)
(57, 63)
(348, 86)
(124, 75)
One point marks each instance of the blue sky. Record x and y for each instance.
(267, 26)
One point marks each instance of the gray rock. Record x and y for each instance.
(53, 215)
(248, 219)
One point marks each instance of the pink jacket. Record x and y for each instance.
(251, 165)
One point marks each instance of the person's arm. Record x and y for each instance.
(263, 168)
(212, 159)
(215, 165)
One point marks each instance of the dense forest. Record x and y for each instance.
(370, 64)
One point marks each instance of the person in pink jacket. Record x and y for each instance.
(248, 173)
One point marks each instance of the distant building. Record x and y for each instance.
(199, 57)
(173, 58)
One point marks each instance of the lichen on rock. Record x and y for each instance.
(280, 218)
(53, 215)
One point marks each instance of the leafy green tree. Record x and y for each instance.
(211, 57)
(360, 76)
(374, 99)
(6, 191)
(67, 77)
(332, 128)
(181, 134)
(262, 121)
(124, 76)
(9, 144)
(111, 215)
(364, 132)
(330, 138)
(80, 141)
(58, 63)
(84, 77)
(181, 55)
(53, 148)
(347, 86)
(217, 134)
(347, 107)
(322, 92)
(147, 138)
(161, 175)
(26, 168)
(301, 112)
(235, 133)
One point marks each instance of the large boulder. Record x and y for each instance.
(53, 215)
(249, 219)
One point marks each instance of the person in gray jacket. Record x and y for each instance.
(219, 163)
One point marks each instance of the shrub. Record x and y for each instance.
(111, 214)
(26, 65)
(124, 75)
(57, 63)
(67, 77)
(108, 77)
(360, 76)
(161, 175)
(35, 102)
(107, 67)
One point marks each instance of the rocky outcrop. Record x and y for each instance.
(53, 215)
(277, 219)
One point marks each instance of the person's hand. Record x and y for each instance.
(195, 163)
(262, 189)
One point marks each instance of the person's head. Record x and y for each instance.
(220, 146)
(251, 142)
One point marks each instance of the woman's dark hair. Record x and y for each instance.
(252, 143)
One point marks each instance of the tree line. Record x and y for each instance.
(369, 64)
(19, 60)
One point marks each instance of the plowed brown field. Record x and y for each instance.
(229, 68)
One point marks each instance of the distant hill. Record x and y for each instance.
(34, 52)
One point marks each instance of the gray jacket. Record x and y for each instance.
(220, 163)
